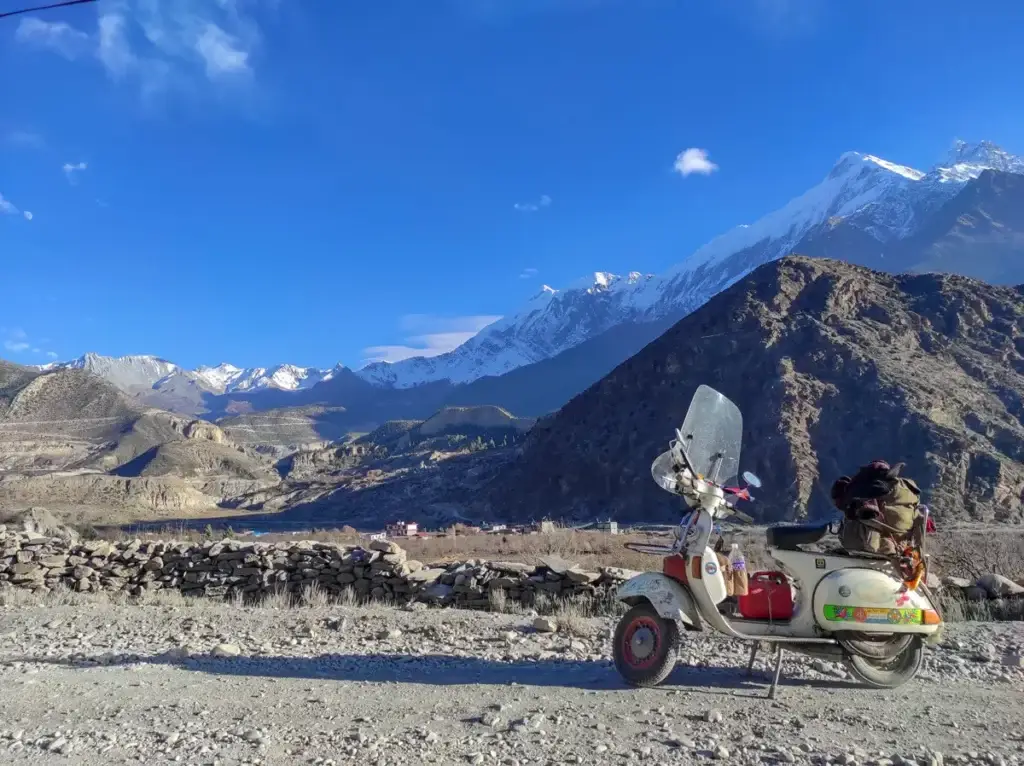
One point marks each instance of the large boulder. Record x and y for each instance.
(41, 522)
(998, 586)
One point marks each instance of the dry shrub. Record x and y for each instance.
(974, 553)
(571, 617)
(315, 597)
(278, 598)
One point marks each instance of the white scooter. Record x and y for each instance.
(872, 612)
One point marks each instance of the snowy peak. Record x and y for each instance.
(217, 378)
(892, 167)
(983, 153)
(125, 372)
(968, 161)
(133, 373)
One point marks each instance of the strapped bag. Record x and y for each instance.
(879, 507)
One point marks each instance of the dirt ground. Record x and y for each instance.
(208, 683)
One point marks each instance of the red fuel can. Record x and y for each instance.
(769, 597)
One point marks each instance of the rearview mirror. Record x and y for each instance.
(751, 479)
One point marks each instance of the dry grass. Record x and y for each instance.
(956, 608)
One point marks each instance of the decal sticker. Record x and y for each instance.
(711, 567)
(873, 615)
(903, 598)
(819, 563)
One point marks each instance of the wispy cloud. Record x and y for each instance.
(694, 160)
(16, 341)
(8, 208)
(70, 170)
(429, 335)
(57, 36)
(24, 138)
(159, 43)
(222, 53)
(533, 207)
(528, 273)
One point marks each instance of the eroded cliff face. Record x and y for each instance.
(832, 365)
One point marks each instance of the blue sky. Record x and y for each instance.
(261, 181)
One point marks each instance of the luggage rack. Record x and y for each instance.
(652, 549)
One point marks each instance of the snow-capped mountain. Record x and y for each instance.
(139, 372)
(125, 372)
(226, 378)
(551, 322)
(867, 210)
(859, 212)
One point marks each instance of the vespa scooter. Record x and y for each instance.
(872, 612)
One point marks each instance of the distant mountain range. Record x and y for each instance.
(965, 216)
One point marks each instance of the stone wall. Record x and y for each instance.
(30, 559)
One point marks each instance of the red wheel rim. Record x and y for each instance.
(646, 632)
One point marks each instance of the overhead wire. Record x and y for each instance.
(4, 14)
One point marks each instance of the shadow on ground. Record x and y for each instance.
(447, 670)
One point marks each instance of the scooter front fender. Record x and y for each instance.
(670, 599)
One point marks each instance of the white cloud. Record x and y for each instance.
(533, 207)
(8, 207)
(694, 160)
(431, 336)
(17, 341)
(160, 43)
(57, 36)
(221, 53)
(113, 49)
(528, 273)
(28, 215)
(70, 170)
(24, 138)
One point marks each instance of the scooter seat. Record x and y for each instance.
(789, 537)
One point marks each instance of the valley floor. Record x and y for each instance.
(204, 683)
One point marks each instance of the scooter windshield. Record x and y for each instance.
(712, 435)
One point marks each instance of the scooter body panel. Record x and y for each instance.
(869, 601)
(670, 599)
(843, 593)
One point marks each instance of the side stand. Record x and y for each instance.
(753, 656)
(778, 671)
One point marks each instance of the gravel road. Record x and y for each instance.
(216, 684)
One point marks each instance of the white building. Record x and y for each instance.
(402, 529)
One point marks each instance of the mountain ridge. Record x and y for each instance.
(832, 365)
(867, 210)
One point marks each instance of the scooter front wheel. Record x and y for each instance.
(888, 674)
(646, 646)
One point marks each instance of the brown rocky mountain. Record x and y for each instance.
(71, 439)
(832, 365)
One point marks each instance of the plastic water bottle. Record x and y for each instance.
(736, 560)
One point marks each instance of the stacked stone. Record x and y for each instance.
(229, 567)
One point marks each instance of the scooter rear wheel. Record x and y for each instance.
(645, 647)
(888, 674)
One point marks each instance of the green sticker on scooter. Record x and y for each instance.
(868, 614)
